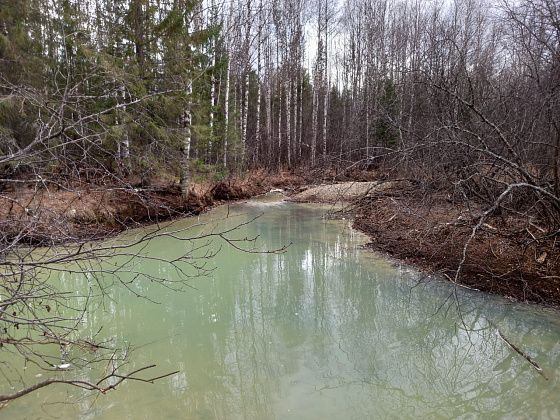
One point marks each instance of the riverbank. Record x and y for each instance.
(52, 214)
(428, 231)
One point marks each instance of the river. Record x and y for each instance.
(325, 330)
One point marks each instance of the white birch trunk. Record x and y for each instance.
(300, 128)
(366, 103)
(288, 96)
(279, 128)
(325, 114)
(314, 119)
(245, 118)
(258, 136)
(326, 85)
(212, 102)
(258, 118)
(279, 86)
(124, 143)
(269, 119)
(226, 112)
(186, 147)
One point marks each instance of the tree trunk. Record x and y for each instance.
(245, 118)
(314, 119)
(212, 106)
(124, 143)
(300, 118)
(186, 147)
(258, 117)
(226, 112)
(288, 95)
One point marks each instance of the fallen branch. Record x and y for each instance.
(519, 351)
(87, 385)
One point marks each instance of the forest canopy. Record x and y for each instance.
(469, 88)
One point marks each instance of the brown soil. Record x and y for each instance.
(51, 215)
(430, 232)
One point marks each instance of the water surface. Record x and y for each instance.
(323, 330)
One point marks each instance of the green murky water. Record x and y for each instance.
(325, 330)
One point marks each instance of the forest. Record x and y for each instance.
(463, 93)
(115, 113)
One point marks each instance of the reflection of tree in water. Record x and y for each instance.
(387, 342)
(314, 330)
(430, 356)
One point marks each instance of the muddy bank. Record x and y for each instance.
(430, 231)
(54, 214)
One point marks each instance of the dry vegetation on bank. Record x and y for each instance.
(55, 213)
(505, 257)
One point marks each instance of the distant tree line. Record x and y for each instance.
(140, 85)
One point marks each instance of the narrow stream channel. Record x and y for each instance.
(325, 330)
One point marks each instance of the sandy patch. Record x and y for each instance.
(340, 193)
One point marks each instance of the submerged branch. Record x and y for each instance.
(517, 350)
(89, 386)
